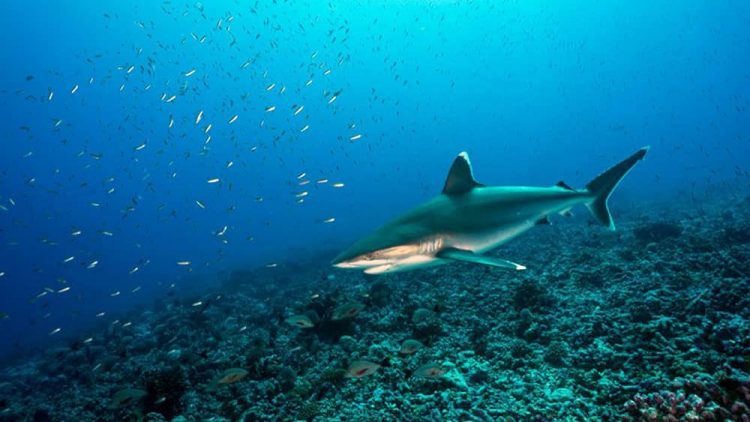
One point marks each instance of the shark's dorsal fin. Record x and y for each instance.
(563, 185)
(460, 177)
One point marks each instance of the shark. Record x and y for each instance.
(468, 219)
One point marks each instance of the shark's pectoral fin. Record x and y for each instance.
(468, 256)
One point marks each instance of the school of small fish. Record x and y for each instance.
(203, 127)
(175, 152)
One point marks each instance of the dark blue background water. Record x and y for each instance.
(535, 92)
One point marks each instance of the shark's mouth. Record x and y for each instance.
(382, 266)
(357, 263)
(392, 258)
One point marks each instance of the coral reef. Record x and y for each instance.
(649, 323)
(656, 232)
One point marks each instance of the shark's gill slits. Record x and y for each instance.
(431, 246)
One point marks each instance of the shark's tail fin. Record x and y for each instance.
(603, 185)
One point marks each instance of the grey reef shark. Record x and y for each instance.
(468, 219)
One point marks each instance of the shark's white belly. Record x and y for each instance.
(408, 263)
(424, 254)
(484, 241)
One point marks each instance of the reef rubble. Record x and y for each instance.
(647, 323)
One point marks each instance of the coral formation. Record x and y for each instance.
(611, 329)
(656, 232)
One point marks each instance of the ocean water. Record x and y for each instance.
(152, 151)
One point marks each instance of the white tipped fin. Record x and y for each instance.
(460, 177)
(468, 256)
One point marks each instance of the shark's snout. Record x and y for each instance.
(341, 258)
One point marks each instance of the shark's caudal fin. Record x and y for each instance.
(603, 185)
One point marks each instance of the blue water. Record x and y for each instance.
(536, 92)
